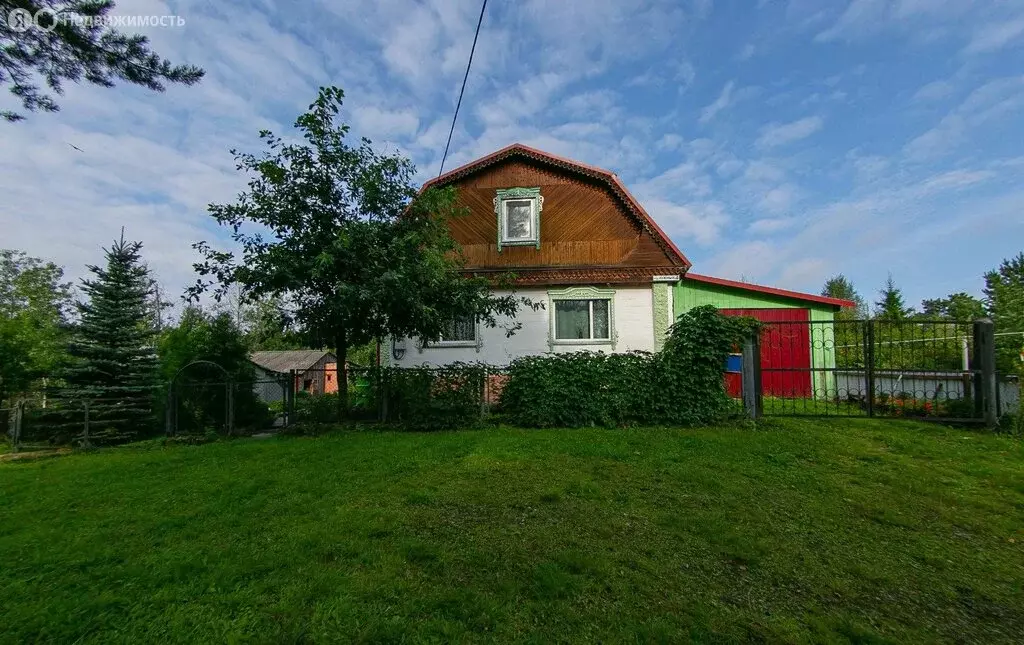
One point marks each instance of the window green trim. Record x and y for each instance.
(582, 293)
(536, 205)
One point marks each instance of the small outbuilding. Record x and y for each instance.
(316, 371)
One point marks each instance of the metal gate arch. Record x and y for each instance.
(171, 415)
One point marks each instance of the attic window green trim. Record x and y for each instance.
(518, 211)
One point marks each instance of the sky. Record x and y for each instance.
(778, 142)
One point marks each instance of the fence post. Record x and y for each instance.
(169, 412)
(290, 405)
(483, 395)
(85, 429)
(869, 364)
(750, 375)
(985, 374)
(19, 417)
(231, 407)
(385, 394)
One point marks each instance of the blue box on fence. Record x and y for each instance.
(734, 363)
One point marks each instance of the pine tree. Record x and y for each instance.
(892, 306)
(113, 358)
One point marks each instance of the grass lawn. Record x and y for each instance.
(806, 530)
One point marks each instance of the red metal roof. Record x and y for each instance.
(783, 293)
(610, 178)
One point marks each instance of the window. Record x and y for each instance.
(582, 316)
(582, 320)
(518, 211)
(461, 329)
(518, 220)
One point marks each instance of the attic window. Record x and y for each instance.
(518, 211)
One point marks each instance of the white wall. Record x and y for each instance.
(633, 320)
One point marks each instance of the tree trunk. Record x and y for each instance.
(341, 351)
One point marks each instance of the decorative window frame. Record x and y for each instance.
(518, 194)
(582, 293)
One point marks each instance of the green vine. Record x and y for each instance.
(680, 385)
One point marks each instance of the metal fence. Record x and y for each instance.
(385, 394)
(931, 369)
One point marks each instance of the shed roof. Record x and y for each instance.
(282, 361)
(782, 293)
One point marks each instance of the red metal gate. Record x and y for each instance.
(785, 352)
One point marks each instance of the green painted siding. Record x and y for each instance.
(823, 352)
(689, 294)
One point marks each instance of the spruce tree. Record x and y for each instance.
(891, 305)
(113, 358)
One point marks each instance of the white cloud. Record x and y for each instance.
(989, 102)
(995, 36)
(771, 225)
(934, 91)
(376, 123)
(701, 223)
(922, 21)
(952, 180)
(719, 104)
(859, 16)
(685, 181)
(670, 141)
(751, 261)
(779, 199)
(523, 100)
(867, 167)
(805, 271)
(778, 134)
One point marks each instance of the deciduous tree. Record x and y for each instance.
(34, 303)
(1004, 295)
(839, 286)
(201, 336)
(342, 233)
(959, 306)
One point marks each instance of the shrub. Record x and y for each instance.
(578, 388)
(316, 408)
(433, 398)
(680, 385)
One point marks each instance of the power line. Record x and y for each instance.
(463, 90)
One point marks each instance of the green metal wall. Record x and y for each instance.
(689, 294)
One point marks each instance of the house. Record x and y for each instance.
(315, 372)
(579, 243)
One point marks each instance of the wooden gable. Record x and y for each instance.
(591, 229)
